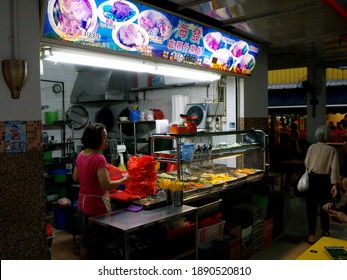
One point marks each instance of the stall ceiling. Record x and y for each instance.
(295, 32)
(295, 100)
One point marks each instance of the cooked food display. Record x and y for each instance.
(222, 59)
(189, 189)
(130, 37)
(215, 179)
(213, 41)
(194, 185)
(75, 14)
(203, 181)
(245, 171)
(156, 24)
(70, 19)
(118, 11)
(239, 49)
(166, 176)
(246, 64)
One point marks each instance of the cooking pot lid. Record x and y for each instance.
(77, 116)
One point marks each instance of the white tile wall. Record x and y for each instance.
(158, 99)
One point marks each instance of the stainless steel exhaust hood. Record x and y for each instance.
(95, 85)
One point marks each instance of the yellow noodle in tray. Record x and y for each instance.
(221, 178)
(215, 179)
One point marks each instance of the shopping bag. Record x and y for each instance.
(303, 183)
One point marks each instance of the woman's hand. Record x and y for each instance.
(126, 177)
(334, 191)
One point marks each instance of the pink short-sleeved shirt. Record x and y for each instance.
(90, 196)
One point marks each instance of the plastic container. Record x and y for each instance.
(211, 233)
(59, 175)
(177, 198)
(51, 117)
(261, 200)
(47, 156)
(134, 115)
(45, 137)
(171, 167)
(60, 217)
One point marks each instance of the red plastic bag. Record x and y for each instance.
(49, 230)
(142, 175)
(114, 172)
(124, 196)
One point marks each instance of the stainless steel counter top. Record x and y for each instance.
(131, 221)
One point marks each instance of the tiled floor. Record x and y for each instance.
(289, 244)
(286, 246)
(63, 247)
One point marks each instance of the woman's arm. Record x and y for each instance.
(334, 191)
(106, 183)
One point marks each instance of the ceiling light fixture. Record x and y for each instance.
(14, 70)
(111, 61)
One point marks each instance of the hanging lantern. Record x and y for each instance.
(15, 74)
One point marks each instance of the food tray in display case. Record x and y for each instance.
(246, 171)
(217, 179)
(206, 188)
(186, 177)
(200, 187)
(237, 157)
(188, 191)
(167, 176)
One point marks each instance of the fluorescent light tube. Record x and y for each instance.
(98, 60)
(128, 64)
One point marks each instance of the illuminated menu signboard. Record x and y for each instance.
(132, 27)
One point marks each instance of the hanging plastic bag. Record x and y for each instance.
(303, 183)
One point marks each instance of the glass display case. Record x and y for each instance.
(211, 161)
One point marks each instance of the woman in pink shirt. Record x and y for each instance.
(93, 177)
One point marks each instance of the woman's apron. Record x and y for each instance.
(98, 204)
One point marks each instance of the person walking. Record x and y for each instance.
(322, 164)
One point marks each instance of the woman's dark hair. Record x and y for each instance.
(92, 135)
